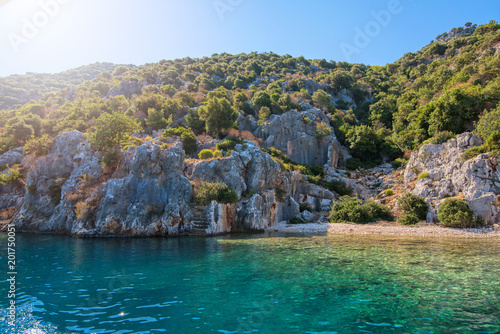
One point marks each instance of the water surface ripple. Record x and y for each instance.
(255, 284)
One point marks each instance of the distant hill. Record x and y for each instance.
(19, 89)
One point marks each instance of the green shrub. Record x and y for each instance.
(110, 159)
(11, 176)
(305, 207)
(189, 142)
(315, 170)
(353, 163)
(352, 210)
(389, 192)
(206, 154)
(399, 162)
(423, 175)
(340, 187)
(475, 151)
(457, 213)
(413, 204)
(229, 144)
(218, 154)
(206, 192)
(39, 146)
(296, 221)
(188, 138)
(408, 219)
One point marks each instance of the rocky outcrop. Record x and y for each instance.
(294, 134)
(127, 89)
(51, 179)
(146, 196)
(248, 169)
(150, 194)
(476, 180)
(12, 157)
(264, 210)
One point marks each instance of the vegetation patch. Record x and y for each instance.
(206, 154)
(12, 175)
(353, 210)
(408, 219)
(423, 175)
(206, 192)
(455, 212)
(414, 205)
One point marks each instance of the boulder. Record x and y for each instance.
(12, 157)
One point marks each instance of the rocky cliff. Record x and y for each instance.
(476, 180)
(293, 133)
(150, 192)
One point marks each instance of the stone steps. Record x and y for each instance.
(199, 221)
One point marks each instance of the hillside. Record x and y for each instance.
(277, 136)
(436, 92)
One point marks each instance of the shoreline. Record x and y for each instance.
(425, 230)
(388, 229)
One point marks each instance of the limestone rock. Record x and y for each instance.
(293, 133)
(264, 210)
(247, 169)
(477, 180)
(12, 157)
(220, 218)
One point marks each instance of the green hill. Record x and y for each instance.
(450, 86)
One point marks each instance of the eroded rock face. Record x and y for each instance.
(151, 197)
(247, 169)
(293, 133)
(149, 193)
(477, 180)
(11, 195)
(12, 157)
(51, 179)
(264, 210)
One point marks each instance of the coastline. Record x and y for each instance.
(390, 229)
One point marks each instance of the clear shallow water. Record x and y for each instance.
(253, 284)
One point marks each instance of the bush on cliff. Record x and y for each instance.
(188, 138)
(111, 130)
(206, 154)
(206, 192)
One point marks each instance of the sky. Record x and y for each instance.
(49, 36)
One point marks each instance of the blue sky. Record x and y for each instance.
(54, 35)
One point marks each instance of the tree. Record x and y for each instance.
(20, 131)
(156, 121)
(364, 141)
(261, 99)
(264, 113)
(110, 130)
(321, 97)
(489, 125)
(218, 114)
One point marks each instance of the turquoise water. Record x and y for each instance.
(255, 284)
